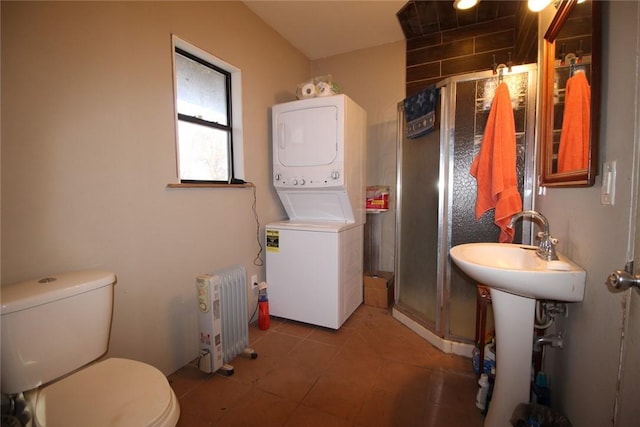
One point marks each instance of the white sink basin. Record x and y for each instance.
(517, 269)
(517, 277)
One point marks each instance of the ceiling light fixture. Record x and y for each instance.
(464, 4)
(537, 5)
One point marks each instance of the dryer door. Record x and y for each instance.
(307, 137)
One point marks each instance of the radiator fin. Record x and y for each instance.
(222, 297)
(235, 325)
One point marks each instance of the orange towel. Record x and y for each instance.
(495, 166)
(573, 153)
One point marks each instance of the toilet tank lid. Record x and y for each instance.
(31, 293)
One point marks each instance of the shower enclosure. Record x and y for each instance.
(436, 202)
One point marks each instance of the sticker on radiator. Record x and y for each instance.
(273, 241)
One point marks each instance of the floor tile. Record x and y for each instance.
(310, 417)
(382, 409)
(372, 372)
(259, 408)
(289, 380)
(342, 397)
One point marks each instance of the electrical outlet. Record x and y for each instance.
(254, 281)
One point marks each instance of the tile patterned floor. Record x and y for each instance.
(372, 372)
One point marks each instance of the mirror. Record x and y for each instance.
(570, 124)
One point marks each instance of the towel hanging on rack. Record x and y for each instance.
(420, 112)
(495, 166)
(573, 153)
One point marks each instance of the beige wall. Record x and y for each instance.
(584, 374)
(375, 79)
(88, 148)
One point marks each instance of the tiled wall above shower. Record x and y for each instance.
(443, 41)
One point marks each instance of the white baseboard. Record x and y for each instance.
(446, 346)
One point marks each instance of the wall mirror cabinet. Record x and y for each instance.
(570, 123)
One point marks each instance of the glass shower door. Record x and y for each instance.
(473, 99)
(417, 226)
(436, 199)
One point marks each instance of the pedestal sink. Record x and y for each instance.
(516, 277)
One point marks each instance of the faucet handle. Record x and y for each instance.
(546, 248)
(542, 235)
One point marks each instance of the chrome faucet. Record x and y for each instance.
(546, 248)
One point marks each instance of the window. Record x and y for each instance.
(207, 96)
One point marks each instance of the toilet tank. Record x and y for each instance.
(52, 326)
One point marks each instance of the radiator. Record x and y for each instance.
(222, 319)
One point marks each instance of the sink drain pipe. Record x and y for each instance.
(546, 312)
(555, 340)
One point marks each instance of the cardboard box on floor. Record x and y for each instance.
(378, 289)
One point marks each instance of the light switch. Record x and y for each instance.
(608, 192)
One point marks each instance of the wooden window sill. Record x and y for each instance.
(208, 185)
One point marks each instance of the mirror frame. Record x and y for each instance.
(583, 177)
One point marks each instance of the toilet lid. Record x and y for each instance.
(114, 392)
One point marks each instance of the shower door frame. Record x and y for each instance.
(442, 326)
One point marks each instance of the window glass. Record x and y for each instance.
(203, 153)
(209, 143)
(201, 90)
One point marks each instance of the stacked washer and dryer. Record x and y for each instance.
(314, 260)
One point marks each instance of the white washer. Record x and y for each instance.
(314, 271)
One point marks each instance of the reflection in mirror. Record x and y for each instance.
(570, 96)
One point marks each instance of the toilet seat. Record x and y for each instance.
(113, 392)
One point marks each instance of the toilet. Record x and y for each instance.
(53, 331)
